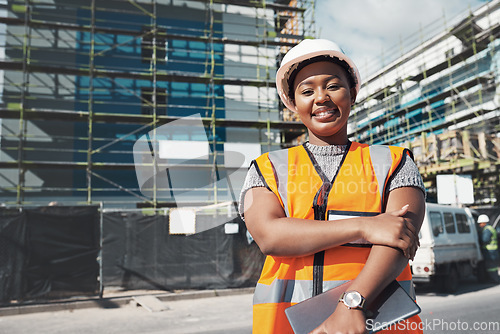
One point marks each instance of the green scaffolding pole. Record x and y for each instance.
(22, 106)
(90, 104)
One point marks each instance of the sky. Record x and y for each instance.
(373, 31)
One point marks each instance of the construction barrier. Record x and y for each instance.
(63, 251)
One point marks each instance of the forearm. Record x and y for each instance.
(279, 235)
(384, 264)
(300, 237)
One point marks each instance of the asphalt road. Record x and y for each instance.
(227, 314)
(475, 308)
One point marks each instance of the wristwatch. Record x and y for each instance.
(353, 300)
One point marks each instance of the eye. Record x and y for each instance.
(307, 92)
(333, 86)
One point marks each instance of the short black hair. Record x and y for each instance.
(335, 60)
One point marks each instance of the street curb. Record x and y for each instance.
(117, 302)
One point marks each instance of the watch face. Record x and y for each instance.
(352, 299)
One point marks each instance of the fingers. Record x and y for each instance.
(415, 241)
(412, 232)
(401, 212)
(409, 248)
(409, 236)
(405, 246)
(406, 238)
(410, 241)
(395, 229)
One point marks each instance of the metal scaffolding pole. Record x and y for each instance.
(90, 103)
(22, 105)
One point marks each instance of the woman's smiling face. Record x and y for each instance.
(323, 100)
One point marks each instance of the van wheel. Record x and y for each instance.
(451, 281)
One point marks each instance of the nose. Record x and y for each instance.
(322, 96)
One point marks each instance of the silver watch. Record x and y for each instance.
(353, 300)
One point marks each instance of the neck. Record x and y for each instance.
(325, 141)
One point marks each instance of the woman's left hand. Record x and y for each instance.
(343, 321)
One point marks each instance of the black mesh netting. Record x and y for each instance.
(52, 252)
(139, 253)
(48, 252)
(12, 253)
(63, 245)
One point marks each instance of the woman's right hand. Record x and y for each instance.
(393, 230)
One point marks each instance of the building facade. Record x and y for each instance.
(92, 93)
(441, 99)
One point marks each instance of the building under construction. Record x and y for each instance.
(92, 93)
(134, 117)
(83, 81)
(441, 99)
(112, 105)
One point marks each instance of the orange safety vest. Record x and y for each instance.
(303, 190)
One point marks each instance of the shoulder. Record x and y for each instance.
(397, 150)
(407, 174)
(490, 229)
(376, 147)
(383, 153)
(278, 153)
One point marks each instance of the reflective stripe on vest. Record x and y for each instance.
(295, 291)
(493, 244)
(293, 177)
(381, 161)
(279, 160)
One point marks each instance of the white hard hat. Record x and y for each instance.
(483, 219)
(307, 49)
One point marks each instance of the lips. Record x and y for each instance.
(325, 114)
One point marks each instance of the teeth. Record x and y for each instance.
(324, 113)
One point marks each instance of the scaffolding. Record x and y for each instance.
(83, 80)
(440, 99)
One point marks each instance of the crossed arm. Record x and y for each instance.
(394, 235)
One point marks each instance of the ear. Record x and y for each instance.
(353, 95)
(292, 101)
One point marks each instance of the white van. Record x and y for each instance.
(449, 247)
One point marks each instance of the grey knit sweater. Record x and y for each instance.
(329, 158)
